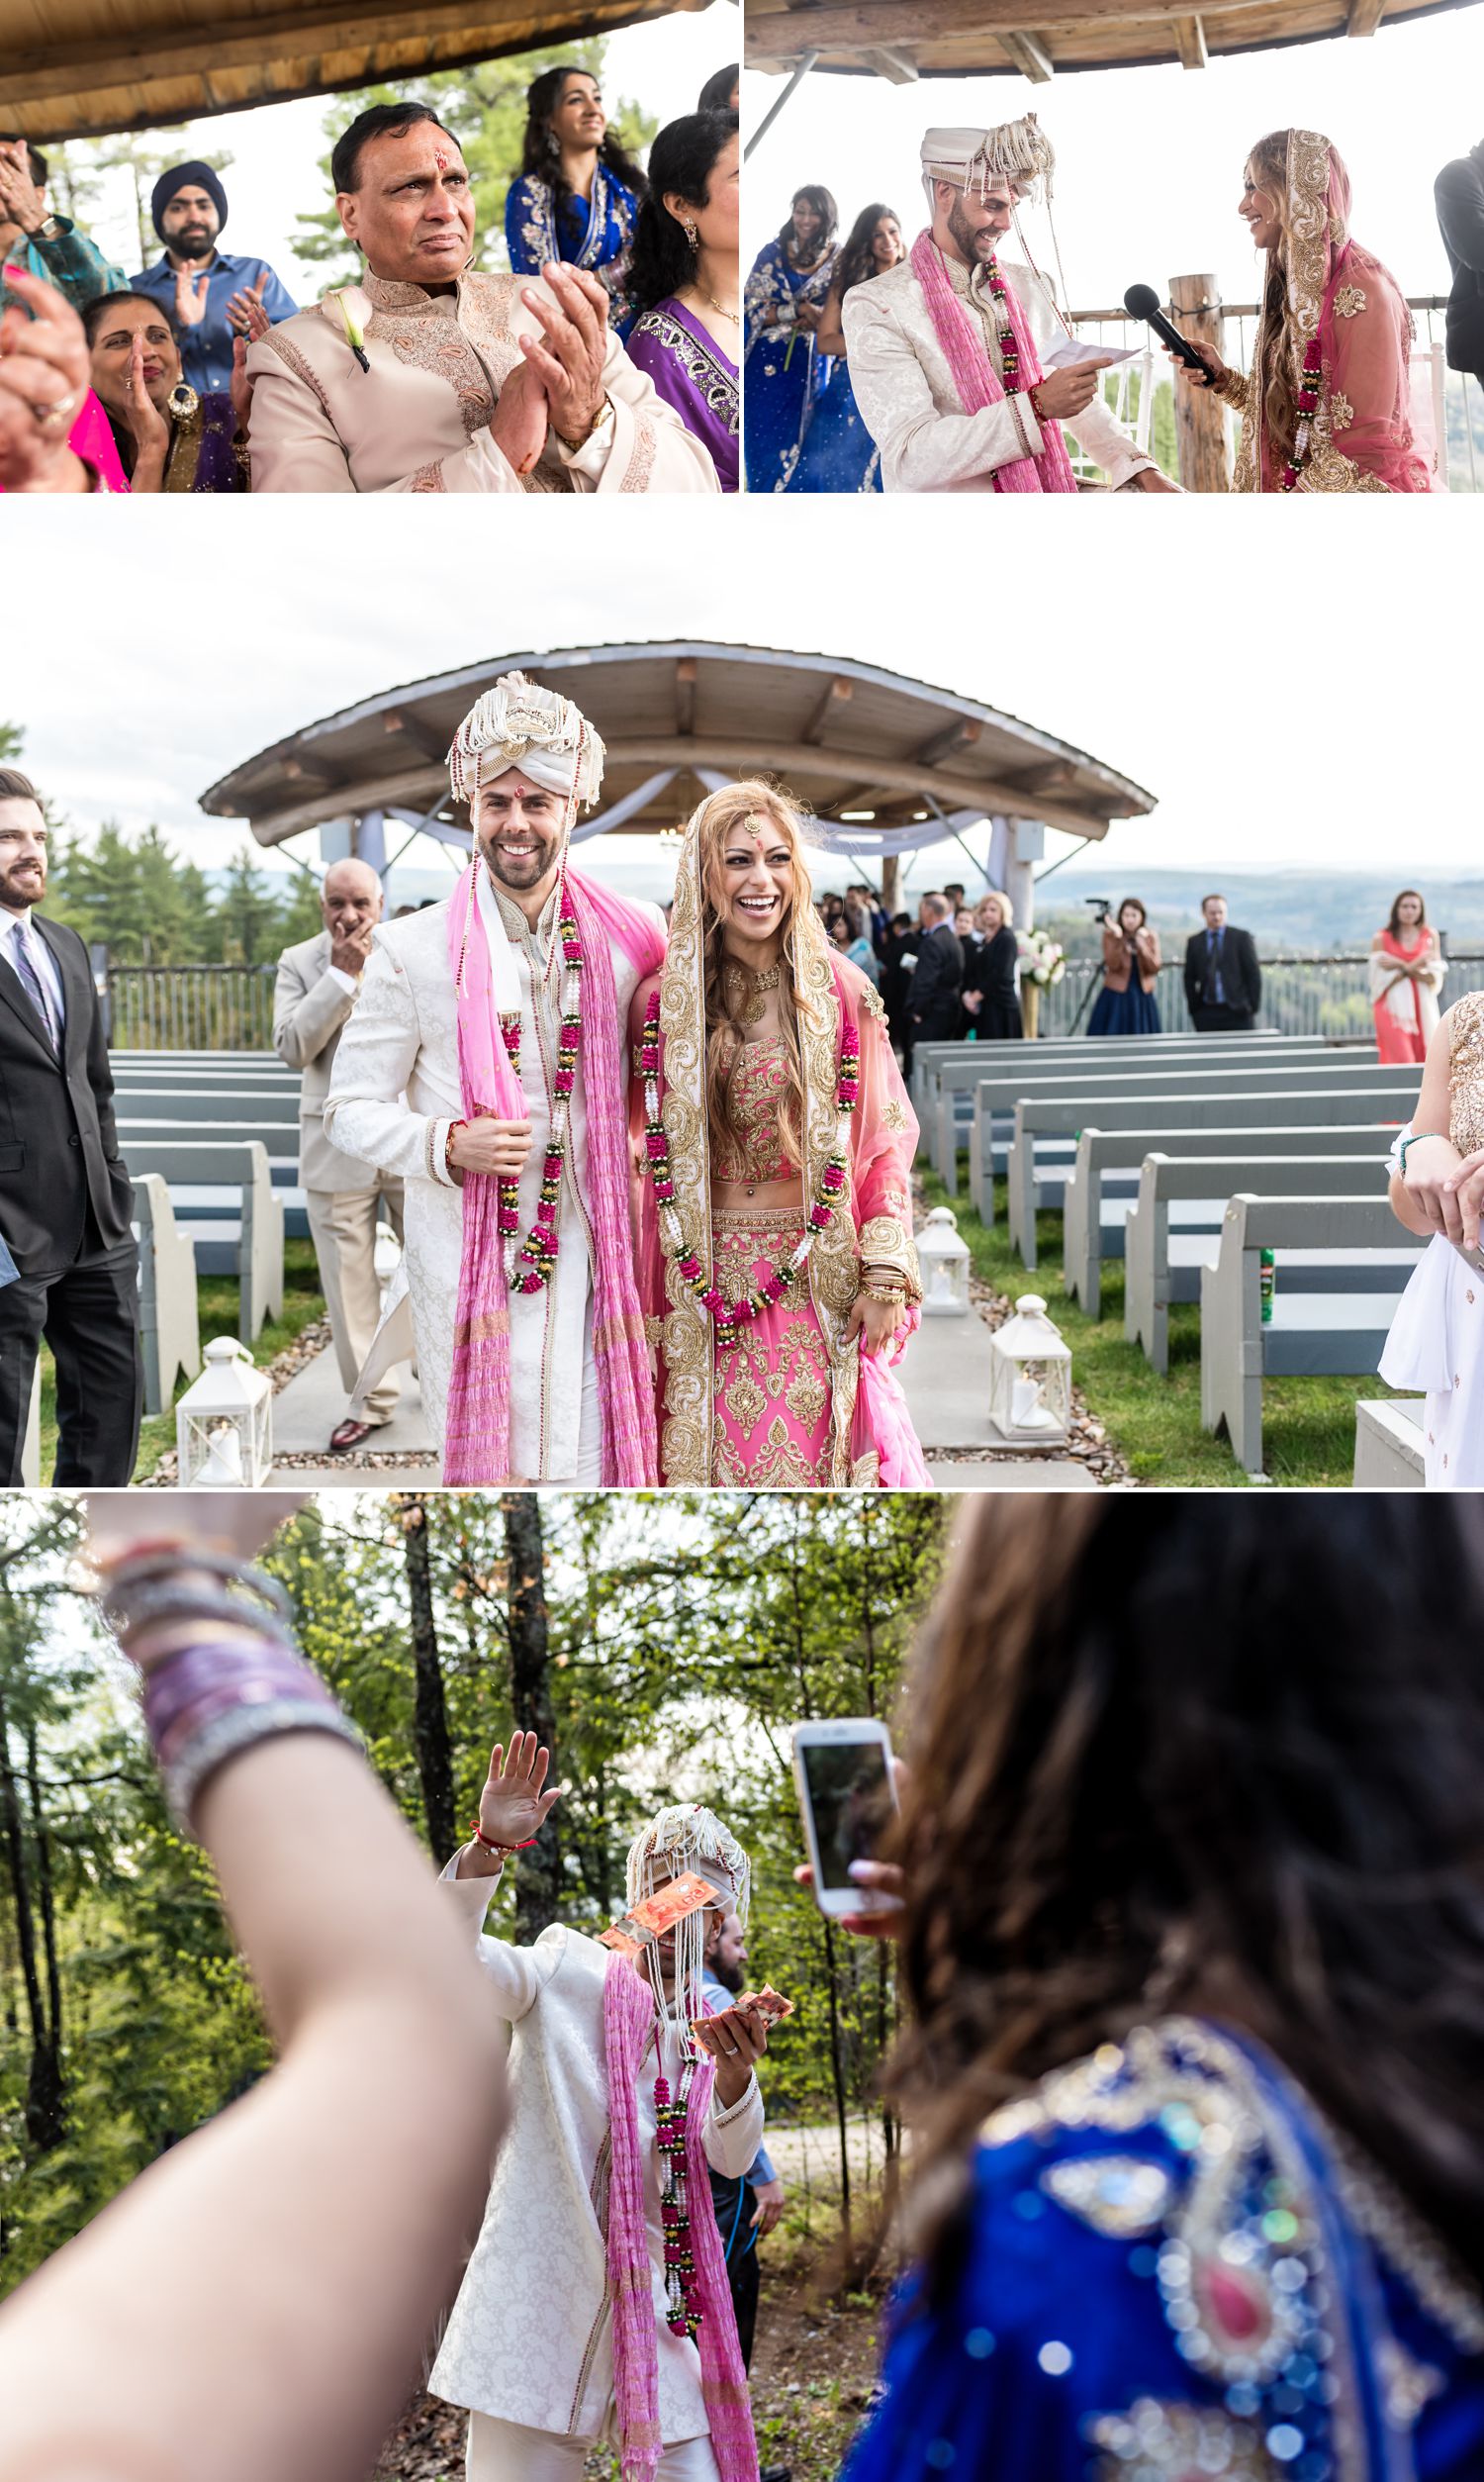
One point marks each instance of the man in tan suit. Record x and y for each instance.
(315, 994)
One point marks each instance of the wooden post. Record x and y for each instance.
(1200, 423)
(891, 867)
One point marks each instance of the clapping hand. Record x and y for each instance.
(570, 363)
(148, 424)
(521, 418)
(190, 296)
(245, 312)
(43, 378)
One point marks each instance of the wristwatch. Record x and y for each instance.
(50, 229)
(603, 419)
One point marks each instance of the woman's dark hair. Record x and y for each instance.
(1394, 925)
(856, 260)
(1139, 907)
(541, 157)
(681, 161)
(824, 208)
(718, 91)
(1205, 1754)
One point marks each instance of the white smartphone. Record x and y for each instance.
(846, 1796)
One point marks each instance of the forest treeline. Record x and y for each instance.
(663, 1645)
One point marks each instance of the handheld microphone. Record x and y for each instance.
(1142, 302)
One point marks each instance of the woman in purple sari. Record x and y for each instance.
(685, 279)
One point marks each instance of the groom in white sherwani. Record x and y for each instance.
(517, 1284)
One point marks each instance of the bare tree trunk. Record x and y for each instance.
(837, 2076)
(46, 2121)
(45, 1890)
(538, 1879)
(430, 1713)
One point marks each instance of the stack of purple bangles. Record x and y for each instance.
(211, 1697)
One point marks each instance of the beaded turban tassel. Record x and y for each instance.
(517, 724)
(1018, 151)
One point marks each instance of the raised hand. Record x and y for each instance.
(521, 418)
(241, 384)
(570, 363)
(512, 1807)
(44, 377)
(190, 296)
(148, 425)
(245, 312)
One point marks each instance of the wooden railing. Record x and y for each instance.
(1322, 994)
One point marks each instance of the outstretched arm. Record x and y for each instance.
(260, 2302)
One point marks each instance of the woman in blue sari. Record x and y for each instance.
(1194, 1940)
(578, 192)
(839, 454)
(785, 296)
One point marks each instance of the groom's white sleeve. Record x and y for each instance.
(923, 449)
(366, 1112)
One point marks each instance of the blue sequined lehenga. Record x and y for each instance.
(1175, 2271)
(596, 233)
(783, 371)
(839, 454)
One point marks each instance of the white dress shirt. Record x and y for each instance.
(42, 960)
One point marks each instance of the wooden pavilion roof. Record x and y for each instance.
(904, 39)
(78, 68)
(843, 737)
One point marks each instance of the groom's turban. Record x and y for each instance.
(1018, 151)
(517, 724)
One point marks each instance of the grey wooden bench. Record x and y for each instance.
(1310, 1332)
(169, 1320)
(1390, 1451)
(221, 1120)
(1103, 1181)
(1002, 1053)
(1037, 1166)
(1175, 1224)
(242, 1230)
(949, 1112)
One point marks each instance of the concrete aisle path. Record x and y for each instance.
(397, 1456)
(944, 1378)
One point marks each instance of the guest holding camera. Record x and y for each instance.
(1126, 1004)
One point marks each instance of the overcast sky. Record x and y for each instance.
(275, 173)
(1149, 162)
(1299, 686)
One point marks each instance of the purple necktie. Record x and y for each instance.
(33, 985)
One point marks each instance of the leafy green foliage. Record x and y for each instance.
(686, 1635)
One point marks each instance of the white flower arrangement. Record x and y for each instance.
(1042, 960)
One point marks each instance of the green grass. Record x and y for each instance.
(1308, 1424)
(217, 1302)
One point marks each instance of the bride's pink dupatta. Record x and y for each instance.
(476, 1446)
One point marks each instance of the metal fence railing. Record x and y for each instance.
(1303, 994)
(190, 1008)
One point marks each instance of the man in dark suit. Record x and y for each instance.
(1459, 195)
(66, 1198)
(1223, 979)
(933, 996)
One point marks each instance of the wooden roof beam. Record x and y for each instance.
(1191, 43)
(1029, 56)
(836, 699)
(1364, 16)
(862, 24)
(893, 65)
(903, 775)
(684, 694)
(423, 736)
(961, 735)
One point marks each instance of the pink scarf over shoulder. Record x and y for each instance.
(628, 2019)
(975, 377)
(476, 1446)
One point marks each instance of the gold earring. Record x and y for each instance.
(691, 233)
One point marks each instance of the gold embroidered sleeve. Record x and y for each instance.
(1235, 388)
(871, 1001)
(888, 1245)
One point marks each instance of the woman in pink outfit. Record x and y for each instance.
(1407, 974)
(775, 1141)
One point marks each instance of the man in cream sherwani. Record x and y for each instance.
(315, 993)
(529, 2346)
(396, 1095)
(901, 375)
(429, 377)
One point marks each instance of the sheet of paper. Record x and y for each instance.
(1067, 352)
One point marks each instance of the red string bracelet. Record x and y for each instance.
(480, 1838)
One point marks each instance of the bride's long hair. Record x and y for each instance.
(1267, 168)
(724, 1031)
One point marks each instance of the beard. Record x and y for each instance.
(975, 247)
(19, 889)
(728, 1976)
(196, 245)
(518, 872)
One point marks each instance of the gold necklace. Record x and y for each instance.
(743, 979)
(734, 316)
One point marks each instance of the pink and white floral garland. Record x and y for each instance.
(531, 1265)
(728, 1316)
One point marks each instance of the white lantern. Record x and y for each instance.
(944, 1260)
(223, 1427)
(1030, 1379)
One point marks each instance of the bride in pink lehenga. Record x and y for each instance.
(774, 1142)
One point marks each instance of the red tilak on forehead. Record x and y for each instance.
(442, 160)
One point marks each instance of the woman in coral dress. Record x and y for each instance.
(1407, 974)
